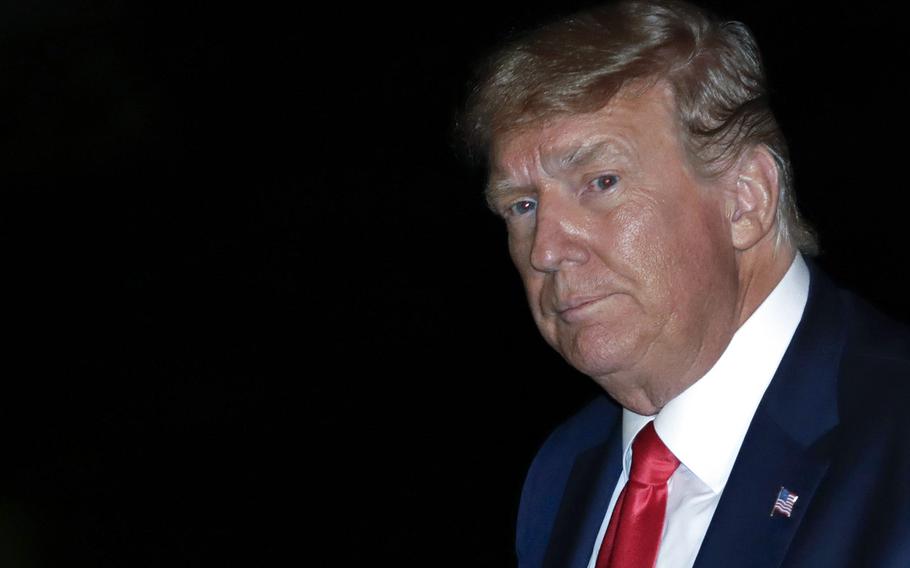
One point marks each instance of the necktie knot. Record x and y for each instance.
(652, 462)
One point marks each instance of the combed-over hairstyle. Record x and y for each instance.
(578, 64)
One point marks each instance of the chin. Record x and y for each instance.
(599, 354)
(636, 404)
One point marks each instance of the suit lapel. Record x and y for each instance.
(743, 528)
(787, 444)
(585, 503)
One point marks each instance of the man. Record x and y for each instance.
(646, 190)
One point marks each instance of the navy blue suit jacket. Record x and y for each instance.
(832, 427)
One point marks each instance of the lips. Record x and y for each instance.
(573, 309)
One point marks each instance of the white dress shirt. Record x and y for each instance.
(705, 425)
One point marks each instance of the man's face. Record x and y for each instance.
(624, 250)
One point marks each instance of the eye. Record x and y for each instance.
(522, 207)
(604, 182)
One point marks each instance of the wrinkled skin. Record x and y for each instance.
(631, 260)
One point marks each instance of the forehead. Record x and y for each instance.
(633, 121)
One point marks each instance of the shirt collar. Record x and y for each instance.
(704, 426)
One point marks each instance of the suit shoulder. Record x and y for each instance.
(876, 361)
(875, 333)
(548, 475)
(585, 429)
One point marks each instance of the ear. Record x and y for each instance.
(753, 207)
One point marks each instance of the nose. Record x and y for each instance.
(558, 238)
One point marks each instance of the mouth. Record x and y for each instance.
(576, 309)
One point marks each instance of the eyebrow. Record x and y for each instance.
(584, 154)
(498, 190)
(572, 158)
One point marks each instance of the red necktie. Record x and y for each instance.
(633, 535)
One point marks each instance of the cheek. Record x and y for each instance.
(704, 239)
(633, 243)
(520, 251)
(662, 248)
(520, 245)
(687, 258)
(534, 282)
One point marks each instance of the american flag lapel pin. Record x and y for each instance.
(783, 505)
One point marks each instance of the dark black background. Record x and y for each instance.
(256, 307)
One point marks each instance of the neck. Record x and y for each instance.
(759, 273)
